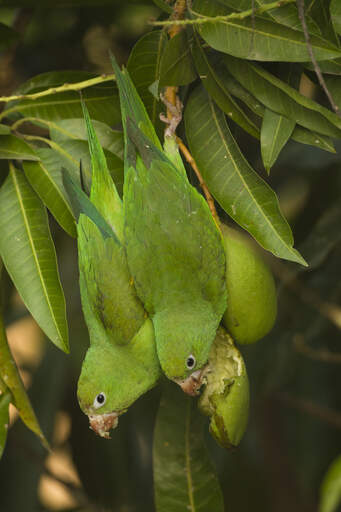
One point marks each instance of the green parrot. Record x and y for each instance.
(121, 363)
(174, 248)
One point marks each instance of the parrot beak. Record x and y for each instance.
(102, 423)
(192, 384)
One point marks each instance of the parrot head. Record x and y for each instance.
(184, 340)
(112, 378)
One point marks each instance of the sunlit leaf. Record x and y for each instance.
(46, 179)
(234, 184)
(4, 129)
(12, 147)
(275, 133)
(330, 493)
(184, 478)
(177, 67)
(258, 38)
(28, 253)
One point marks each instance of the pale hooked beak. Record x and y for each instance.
(192, 384)
(102, 423)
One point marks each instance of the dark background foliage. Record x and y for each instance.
(294, 428)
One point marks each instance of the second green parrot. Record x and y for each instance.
(121, 363)
(174, 248)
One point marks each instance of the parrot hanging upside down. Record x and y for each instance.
(174, 248)
(121, 363)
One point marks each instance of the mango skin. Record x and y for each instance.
(252, 299)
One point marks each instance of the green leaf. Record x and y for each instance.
(285, 14)
(28, 253)
(12, 147)
(335, 13)
(9, 376)
(212, 78)
(4, 129)
(144, 69)
(330, 493)
(63, 131)
(232, 181)
(184, 478)
(5, 400)
(177, 67)
(101, 99)
(163, 6)
(46, 179)
(318, 10)
(334, 86)
(283, 99)
(258, 38)
(275, 133)
(332, 67)
(7, 36)
(305, 136)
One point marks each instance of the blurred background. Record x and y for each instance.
(295, 417)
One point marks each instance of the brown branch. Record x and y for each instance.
(171, 100)
(317, 69)
(202, 183)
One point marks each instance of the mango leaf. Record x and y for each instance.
(5, 400)
(283, 99)
(275, 133)
(184, 478)
(12, 147)
(300, 134)
(46, 179)
(7, 36)
(284, 15)
(177, 67)
(163, 6)
(258, 38)
(211, 77)
(318, 10)
(330, 493)
(101, 99)
(334, 86)
(144, 68)
(28, 253)
(4, 129)
(231, 180)
(63, 131)
(9, 376)
(335, 13)
(331, 67)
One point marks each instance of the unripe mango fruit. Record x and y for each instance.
(252, 301)
(225, 397)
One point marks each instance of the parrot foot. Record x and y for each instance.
(176, 115)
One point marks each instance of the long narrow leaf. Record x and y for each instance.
(231, 180)
(184, 478)
(275, 133)
(28, 253)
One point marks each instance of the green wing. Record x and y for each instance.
(174, 248)
(110, 297)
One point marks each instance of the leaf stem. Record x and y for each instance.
(233, 16)
(77, 86)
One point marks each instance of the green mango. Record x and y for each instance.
(225, 398)
(252, 300)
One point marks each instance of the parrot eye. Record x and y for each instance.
(99, 400)
(190, 363)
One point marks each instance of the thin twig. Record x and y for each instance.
(172, 99)
(324, 413)
(77, 86)
(322, 354)
(233, 16)
(202, 183)
(327, 309)
(317, 69)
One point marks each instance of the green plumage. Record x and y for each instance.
(121, 362)
(174, 249)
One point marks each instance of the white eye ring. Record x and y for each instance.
(99, 400)
(190, 362)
